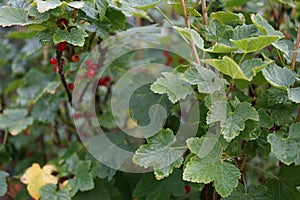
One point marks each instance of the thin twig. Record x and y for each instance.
(298, 115)
(60, 63)
(138, 22)
(229, 89)
(188, 25)
(5, 136)
(244, 162)
(204, 12)
(295, 50)
(2, 98)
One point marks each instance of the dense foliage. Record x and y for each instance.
(242, 72)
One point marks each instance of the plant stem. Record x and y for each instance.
(245, 184)
(261, 170)
(138, 22)
(5, 136)
(204, 12)
(61, 74)
(178, 148)
(188, 25)
(229, 89)
(298, 115)
(165, 16)
(295, 50)
(242, 58)
(244, 162)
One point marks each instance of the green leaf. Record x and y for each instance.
(252, 44)
(49, 191)
(287, 149)
(235, 121)
(141, 102)
(264, 26)
(172, 85)
(227, 66)
(45, 110)
(74, 37)
(101, 6)
(13, 16)
(76, 4)
(207, 168)
(285, 187)
(207, 81)
(255, 192)
(15, 120)
(159, 153)
(45, 5)
(192, 35)
(103, 189)
(217, 32)
(279, 77)
(264, 119)
(220, 48)
(3, 184)
(228, 17)
(21, 34)
(160, 190)
(176, 5)
(294, 94)
(141, 4)
(117, 18)
(19, 16)
(244, 31)
(83, 180)
(252, 66)
(207, 147)
(251, 131)
(232, 122)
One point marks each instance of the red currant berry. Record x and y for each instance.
(62, 23)
(102, 82)
(165, 53)
(71, 86)
(187, 188)
(53, 61)
(56, 68)
(93, 66)
(91, 73)
(107, 79)
(88, 62)
(61, 46)
(75, 58)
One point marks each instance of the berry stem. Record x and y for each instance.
(295, 50)
(204, 12)
(62, 76)
(188, 25)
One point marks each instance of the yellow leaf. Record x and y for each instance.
(35, 178)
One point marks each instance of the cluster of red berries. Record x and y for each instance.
(170, 59)
(62, 46)
(91, 71)
(92, 67)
